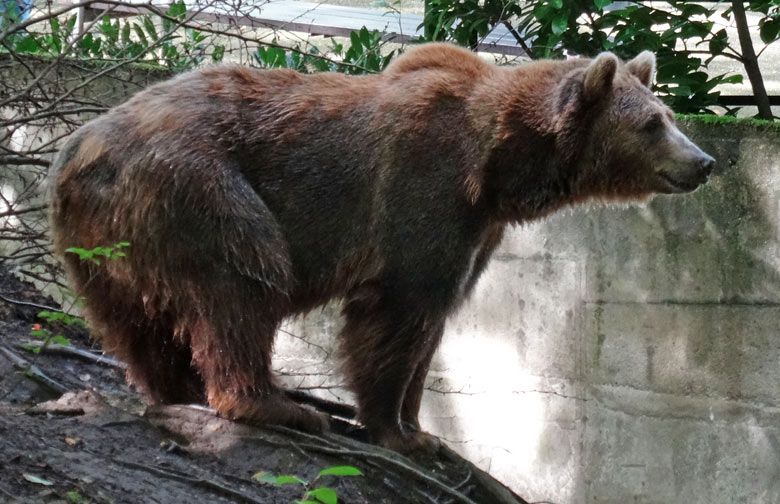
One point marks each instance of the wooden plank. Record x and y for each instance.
(317, 19)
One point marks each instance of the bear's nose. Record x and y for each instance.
(707, 163)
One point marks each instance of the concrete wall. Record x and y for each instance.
(615, 355)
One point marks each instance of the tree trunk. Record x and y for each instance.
(750, 61)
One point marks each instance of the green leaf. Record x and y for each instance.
(719, 42)
(769, 29)
(602, 3)
(218, 53)
(354, 38)
(271, 57)
(150, 28)
(83, 254)
(139, 32)
(365, 37)
(68, 30)
(264, 477)
(324, 495)
(559, 23)
(60, 340)
(287, 479)
(732, 79)
(320, 64)
(693, 29)
(341, 471)
(27, 44)
(75, 497)
(50, 316)
(177, 10)
(126, 34)
(111, 31)
(558, 4)
(270, 478)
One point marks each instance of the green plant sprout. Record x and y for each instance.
(311, 494)
(61, 317)
(110, 253)
(47, 336)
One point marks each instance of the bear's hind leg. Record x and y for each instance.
(232, 271)
(231, 348)
(157, 364)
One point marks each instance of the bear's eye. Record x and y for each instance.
(653, 124)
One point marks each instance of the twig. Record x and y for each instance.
(518, 38)
(28, 303)
(21, 160)
(330, 407)
(299, 450)
(33, 372)
(42, 279)
(429, 498)
(54, 113)
(198, 482)
(463, 483)
(54, 348)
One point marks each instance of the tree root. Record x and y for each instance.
(199, 482)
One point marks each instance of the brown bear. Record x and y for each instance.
(248, 196)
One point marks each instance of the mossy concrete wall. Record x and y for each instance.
(619, 354)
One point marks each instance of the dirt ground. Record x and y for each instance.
(72, 431)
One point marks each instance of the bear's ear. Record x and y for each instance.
(599, 76)
(643, 67)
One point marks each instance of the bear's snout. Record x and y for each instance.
(703, 164)
(707, 163)
(682, 180)
(686, 167)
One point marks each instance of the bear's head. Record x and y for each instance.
(632, 147)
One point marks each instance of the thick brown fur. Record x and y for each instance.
(248, 196)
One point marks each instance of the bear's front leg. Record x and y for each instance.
(410, 410)
(386, 356)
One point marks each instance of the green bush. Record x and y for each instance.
(683, 36)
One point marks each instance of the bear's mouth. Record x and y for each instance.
(676, 185)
